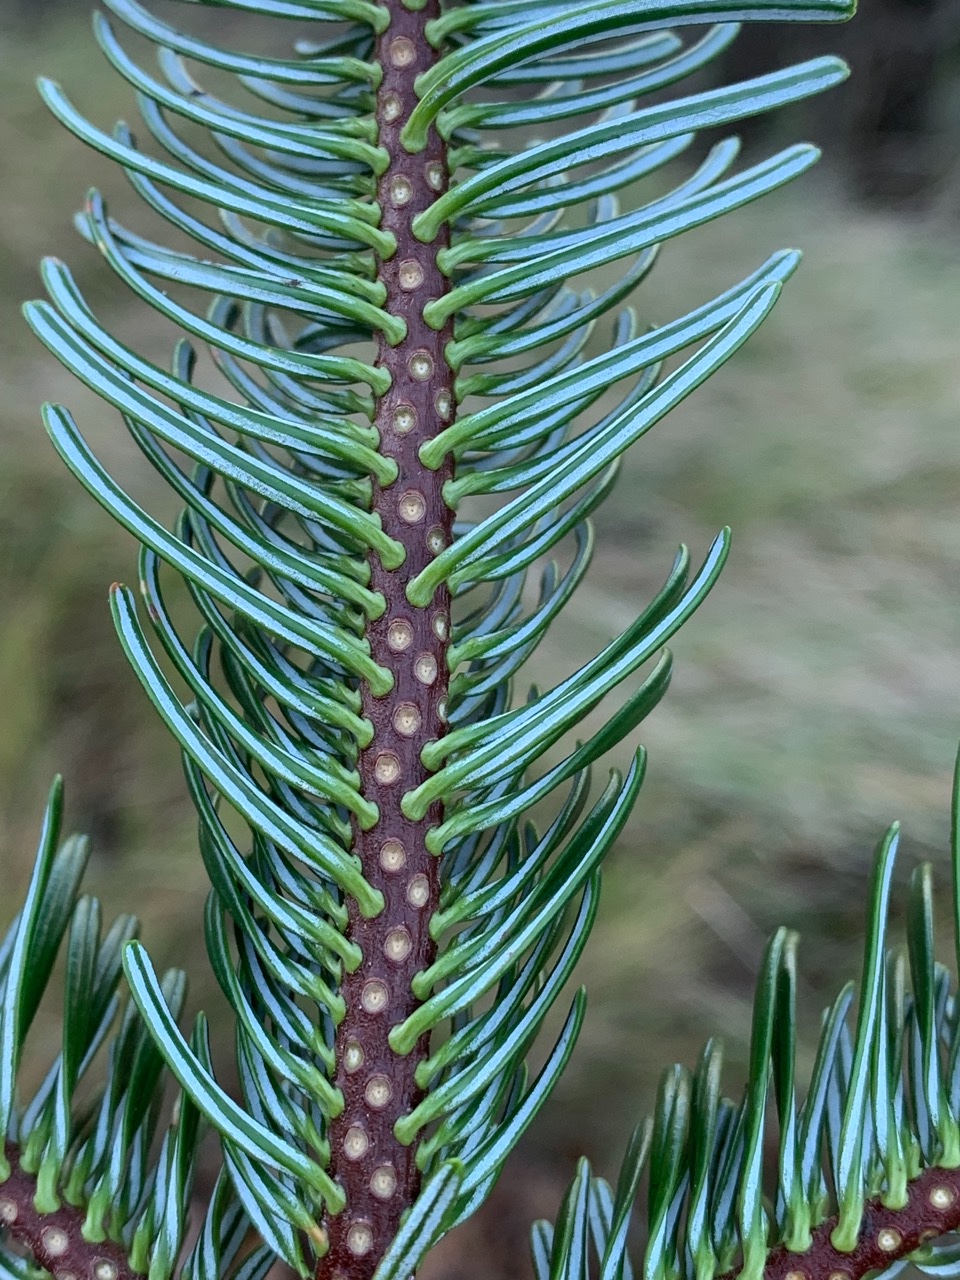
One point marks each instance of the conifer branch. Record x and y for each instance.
(887, 1234)
(55, 1239)
(384, 255)
(379, 1174)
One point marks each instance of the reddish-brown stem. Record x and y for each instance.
(886, 1235)
(932, 1210)
(378, 1174)
(54, 1239)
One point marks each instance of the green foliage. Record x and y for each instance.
(278, 472)
(882, 1105)
(98, 1157)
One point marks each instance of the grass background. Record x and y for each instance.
(816, 695)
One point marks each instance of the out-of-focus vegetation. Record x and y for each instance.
(817, 694)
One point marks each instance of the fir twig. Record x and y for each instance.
(55, 1240)
(379, 1175)
(411, 417)
(886, 1235)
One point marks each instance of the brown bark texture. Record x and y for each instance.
(378, 1173)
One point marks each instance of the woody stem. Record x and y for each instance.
(886, 1235)
(54, 1239)
(377, 1173)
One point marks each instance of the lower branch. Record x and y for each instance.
(886, 1235)
(54, 1239)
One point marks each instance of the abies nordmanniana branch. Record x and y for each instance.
(417, 399)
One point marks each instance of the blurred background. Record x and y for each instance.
(817, 693)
